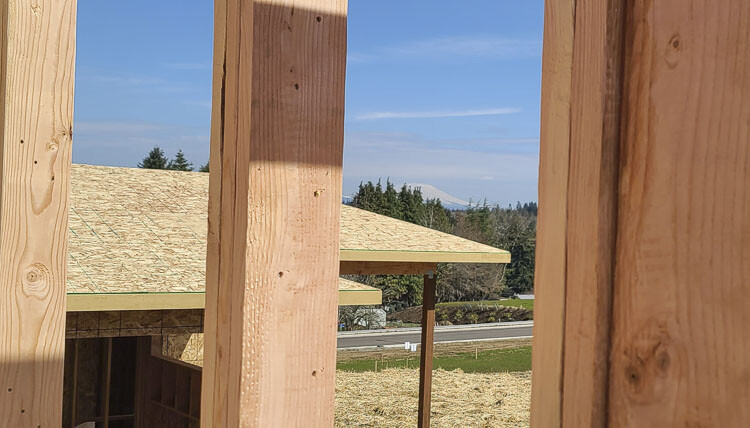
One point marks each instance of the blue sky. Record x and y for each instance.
(439, 92)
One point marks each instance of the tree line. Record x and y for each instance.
(511, 228)
(156, 159)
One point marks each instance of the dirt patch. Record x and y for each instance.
(465, 314)
(389, 399)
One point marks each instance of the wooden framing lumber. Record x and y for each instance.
(426, 352)
(350, 293)
(88, 302)
(583, 52)
(274, 210)
(680, 343)
(592, 209)
(399, 256)
(107, 381)
(385, 268)
(37, 55)
(652, 168)
(549, 275)
(83, 325)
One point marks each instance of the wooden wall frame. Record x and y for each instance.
(644, 167)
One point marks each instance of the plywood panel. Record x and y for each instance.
(274, 210)
(37, 41)
(681, 350)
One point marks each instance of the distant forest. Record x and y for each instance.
(509, 228)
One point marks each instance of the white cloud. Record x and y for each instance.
(442, 48)
(436, 114)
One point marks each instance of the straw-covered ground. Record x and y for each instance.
(389, 399)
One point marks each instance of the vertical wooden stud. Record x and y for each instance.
(107, 380)
(681, 348)
(592, 209)
(550, 269)
(274, 209)
(74, 393)
(37, 57)
(428, 339)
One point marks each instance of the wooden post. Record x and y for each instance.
(644, 169)
(107, 380)
(549, 270)
(428, 337)
(274, 211)
(680, 342)
(37, 56)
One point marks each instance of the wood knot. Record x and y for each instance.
(36, 280)
(650, 363)
(52, 146)
(674, 51)
(633, 376)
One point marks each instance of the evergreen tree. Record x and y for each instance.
(154, 160)
(180, 163)
(203, 168)
(390, 204)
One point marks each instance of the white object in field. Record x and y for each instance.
(87, 425)
(414, 347)
(407, 345)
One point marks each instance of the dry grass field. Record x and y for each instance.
(389, 399)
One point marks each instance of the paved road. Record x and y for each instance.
(397, 337)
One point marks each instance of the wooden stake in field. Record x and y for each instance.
(428, 338)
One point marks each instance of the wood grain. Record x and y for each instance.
(549, 274)
(274, 210)
(681, 350)
(36, 117)
(592, 210)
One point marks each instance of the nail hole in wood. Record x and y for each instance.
(21, 141)
(315, 373)
(53, 178)
(10, 389)
(317, 18)
(281, 274)
(35, 162)
(296, 86)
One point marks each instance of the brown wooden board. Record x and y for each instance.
(592, 209)
(37, 63)
(274, 213)
(681, 348)
(426, 352)
(550, 268)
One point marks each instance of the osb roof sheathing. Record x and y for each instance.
(143, 231)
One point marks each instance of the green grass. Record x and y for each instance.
(494, 361)
(516, 303)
